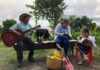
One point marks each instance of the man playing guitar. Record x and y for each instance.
(23, 26)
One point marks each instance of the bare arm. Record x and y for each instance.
(15, 32)
(14, 28)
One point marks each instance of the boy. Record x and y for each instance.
(63, 33)
(23, 26)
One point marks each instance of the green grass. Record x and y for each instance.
(97, 53)
(8, 55)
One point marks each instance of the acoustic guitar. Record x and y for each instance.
(9, 38)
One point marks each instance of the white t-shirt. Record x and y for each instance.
(91, 38)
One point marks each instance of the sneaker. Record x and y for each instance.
(86, 62)
(20, 64)
(80, 62)
(31, 60)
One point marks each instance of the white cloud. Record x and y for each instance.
(13, 8)
(97, 11)
(82, 7)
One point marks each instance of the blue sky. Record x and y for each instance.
(13, 8)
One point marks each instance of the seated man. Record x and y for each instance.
(63, 33)
(23, 26)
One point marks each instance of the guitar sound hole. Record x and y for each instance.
(11, 37)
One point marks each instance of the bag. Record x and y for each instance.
(54, 60)
(85, 46)
(68, 65)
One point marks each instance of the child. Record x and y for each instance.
(63, 33)
(23, 26)
(86, 39)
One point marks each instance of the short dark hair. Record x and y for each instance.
(86, 30)
(23, 16)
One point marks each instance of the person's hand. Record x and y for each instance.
(65, 34)
(17, 33)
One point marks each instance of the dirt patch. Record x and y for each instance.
(40, 64)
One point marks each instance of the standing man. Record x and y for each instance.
(63, 33)
(23, 26)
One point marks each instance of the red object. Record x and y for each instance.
(68, 65)
(9, 38)
(66, 61)
(90, 56)
(76, 56)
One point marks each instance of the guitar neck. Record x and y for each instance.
(31, 29)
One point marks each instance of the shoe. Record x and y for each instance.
(20, 64)
(80, 62)
(86, 62)
(30, 59)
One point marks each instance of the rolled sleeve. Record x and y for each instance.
(14, 26)
(69, 31)
(57, 30)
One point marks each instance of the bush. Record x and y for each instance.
(8, 23)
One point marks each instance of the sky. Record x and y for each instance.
(13, 8)
(90, 8)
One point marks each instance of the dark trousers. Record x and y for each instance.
(25, 42)
(63, 42)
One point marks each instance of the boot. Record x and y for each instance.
(30, 56)
(20, 58)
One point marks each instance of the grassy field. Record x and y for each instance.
(8, 56)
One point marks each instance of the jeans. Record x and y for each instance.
(63, 42)
(20, 48)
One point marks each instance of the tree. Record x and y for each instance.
(7, 24)
(1, 28)
(49, 9)
(72, 19)
(80, 22)
(85, 21)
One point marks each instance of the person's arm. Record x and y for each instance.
(57, 30)
(14, 28)
(69, 31)
(92, 39)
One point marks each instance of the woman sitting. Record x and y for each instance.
(63, 33)
(86, 43)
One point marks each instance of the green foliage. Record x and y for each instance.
(80, 22)
(98, 28)
(8, 23)
(49, 9)
(1, 28)
(75, 34)
(96, 33)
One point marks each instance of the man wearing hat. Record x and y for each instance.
(23, 26)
